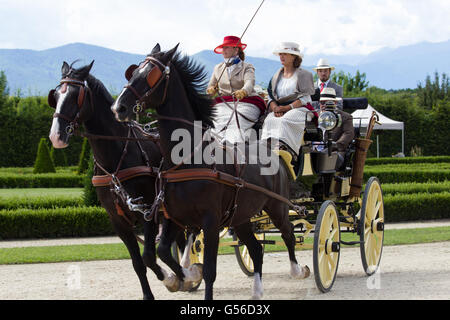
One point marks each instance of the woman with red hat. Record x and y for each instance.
(234, 80)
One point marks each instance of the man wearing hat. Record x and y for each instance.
(324, 70)
(344, 132)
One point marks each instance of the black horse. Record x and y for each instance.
(83, 99)
(174, 86)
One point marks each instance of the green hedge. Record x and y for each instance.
(54, 223)
(47, 180)
(409, 188)
(419, 206)
(402, 175)
(435, 159)
(49, 202)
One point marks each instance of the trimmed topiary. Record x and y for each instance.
(83, 163)
(90, 195)
(59, 157)
(43, 163)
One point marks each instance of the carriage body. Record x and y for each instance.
(331, 209)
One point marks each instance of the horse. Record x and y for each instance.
(82, 99)
(174, 86)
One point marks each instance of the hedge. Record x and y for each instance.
(402, 175)
(419, 206)
(46, 180)
(409, 188)
(48, 202)
(54, 223)
(435, 159)
(94, 221)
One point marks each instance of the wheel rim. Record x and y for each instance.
(247, 261)
(373, 238)
(327, 259)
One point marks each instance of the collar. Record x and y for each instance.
(326, 82)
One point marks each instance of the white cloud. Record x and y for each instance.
(334, 27)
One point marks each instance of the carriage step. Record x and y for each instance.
(352, 243)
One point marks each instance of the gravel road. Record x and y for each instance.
(407, 272)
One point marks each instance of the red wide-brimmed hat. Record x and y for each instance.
(230, 41)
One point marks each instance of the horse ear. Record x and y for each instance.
(90, 66)
(65, 69)
(169, 54)
(156, 49)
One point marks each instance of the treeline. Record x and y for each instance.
(23, 122)
(424, 110)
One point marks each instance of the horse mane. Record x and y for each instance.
(98, 87)
(193, 77)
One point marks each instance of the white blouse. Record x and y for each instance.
(287, 86)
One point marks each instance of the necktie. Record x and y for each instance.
(322, 85)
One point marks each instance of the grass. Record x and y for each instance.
(40, 192)
(118, 251)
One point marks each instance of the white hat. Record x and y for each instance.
(288, 47)
(323, 64)
(328, 94)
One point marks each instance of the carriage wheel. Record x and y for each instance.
(326, 249)
(372, 226)
(196, 255)
(243, 256)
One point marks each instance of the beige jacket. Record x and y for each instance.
(242, 77)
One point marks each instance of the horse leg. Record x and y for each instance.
(281, 222)
(193, 274)
(211, 238)
(149, 254)
(129, 239)
(246, 235)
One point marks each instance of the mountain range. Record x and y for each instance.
(35, 72)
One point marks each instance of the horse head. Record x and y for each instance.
(70, 99)
(147, 84)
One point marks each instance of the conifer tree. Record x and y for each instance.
(43, 163)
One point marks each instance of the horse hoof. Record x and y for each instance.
(186, 286)
(172, 283)
(306, 272)
(196, 272)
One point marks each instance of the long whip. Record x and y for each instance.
(240, 39)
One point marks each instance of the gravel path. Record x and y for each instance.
(407, 272)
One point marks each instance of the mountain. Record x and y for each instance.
(36, 72)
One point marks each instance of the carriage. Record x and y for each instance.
(336, 204)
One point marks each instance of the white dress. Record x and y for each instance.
(290, 127)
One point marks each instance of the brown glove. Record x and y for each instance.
(240, 94)
(212, 90)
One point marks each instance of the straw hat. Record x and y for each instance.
(288, 47)
(323, 64)
(328, 94)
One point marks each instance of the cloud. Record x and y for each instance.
(334, 27)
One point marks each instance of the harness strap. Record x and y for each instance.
(220, 177)
(124, 175)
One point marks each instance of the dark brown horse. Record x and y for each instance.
(174, 86)
(81, 99)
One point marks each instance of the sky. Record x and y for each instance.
(340, 27)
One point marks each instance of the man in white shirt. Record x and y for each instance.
(324, 70)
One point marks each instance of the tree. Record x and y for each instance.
(43, 163)
(350, 84)
(434, 91)
(83, 163)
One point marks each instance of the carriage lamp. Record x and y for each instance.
(328, 120)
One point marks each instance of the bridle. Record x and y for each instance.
(84, 89)
(159, 73)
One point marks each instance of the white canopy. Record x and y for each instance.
(362, 118)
